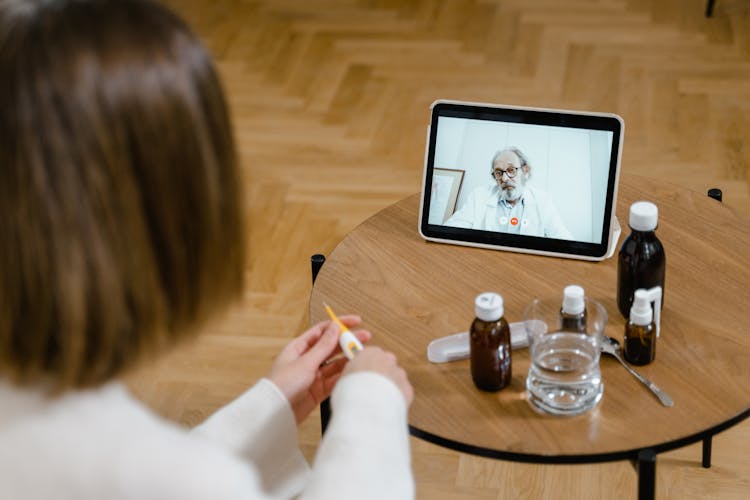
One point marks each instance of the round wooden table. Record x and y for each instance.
(410, 292)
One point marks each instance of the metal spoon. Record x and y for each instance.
(612, 347)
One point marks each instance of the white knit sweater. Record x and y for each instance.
(105, 445)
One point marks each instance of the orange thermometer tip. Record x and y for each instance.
(350, 344)
(335, 318)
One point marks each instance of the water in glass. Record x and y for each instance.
(564, 377)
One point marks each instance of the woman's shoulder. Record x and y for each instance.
(104, 443)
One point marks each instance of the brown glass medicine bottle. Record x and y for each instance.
(641, 262)
(489, 341)
(640, 331)
(573, 310)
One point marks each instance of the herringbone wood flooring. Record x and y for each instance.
(330, 102)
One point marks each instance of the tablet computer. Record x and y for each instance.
(529, 180)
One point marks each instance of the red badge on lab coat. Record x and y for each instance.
(514, 221)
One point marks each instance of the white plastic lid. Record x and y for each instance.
(643, 216)
(641, 313)
(573, 300)
(456, 346)
(488, 306)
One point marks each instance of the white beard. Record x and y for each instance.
(512, 194)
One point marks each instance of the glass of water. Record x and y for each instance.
(564, 377)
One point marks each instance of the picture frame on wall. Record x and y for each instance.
(446, 186)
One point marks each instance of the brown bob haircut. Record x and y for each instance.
(120, 200)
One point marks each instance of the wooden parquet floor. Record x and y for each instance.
(330, 103)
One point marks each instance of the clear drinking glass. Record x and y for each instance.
(564, 377)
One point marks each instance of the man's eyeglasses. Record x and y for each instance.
(510, 172)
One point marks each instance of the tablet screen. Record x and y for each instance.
(534, 180)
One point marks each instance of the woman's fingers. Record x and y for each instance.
(309, 338)
(351, 320)
(324, 347)
(383, 362)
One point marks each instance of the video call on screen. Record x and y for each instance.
(568, 168)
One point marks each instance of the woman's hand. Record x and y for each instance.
(301, 372)
(375, 359)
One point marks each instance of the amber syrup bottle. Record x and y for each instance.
(490, 344)
(573, 310)
(640, 331)
(641, 262)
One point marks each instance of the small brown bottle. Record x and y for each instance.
(573, 310)
(490, 344)
(640, 331)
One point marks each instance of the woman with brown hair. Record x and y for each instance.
(120, 211)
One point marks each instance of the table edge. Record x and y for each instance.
(613, 456)
(610, 456)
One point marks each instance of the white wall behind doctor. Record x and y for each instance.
(570, 165)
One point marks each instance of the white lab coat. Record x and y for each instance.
(482, 211)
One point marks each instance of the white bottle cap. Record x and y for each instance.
(573, 300)
(641, 313)
(643, 216)
(488, 306)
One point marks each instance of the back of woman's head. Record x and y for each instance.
(119, 192)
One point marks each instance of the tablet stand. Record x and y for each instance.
(616, 231)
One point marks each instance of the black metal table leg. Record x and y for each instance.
(716, 194)
(709, 8)
(316, 262)
(325, 414)
(707, 452)
(646, 474)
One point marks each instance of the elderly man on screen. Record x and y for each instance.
(509, 205)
